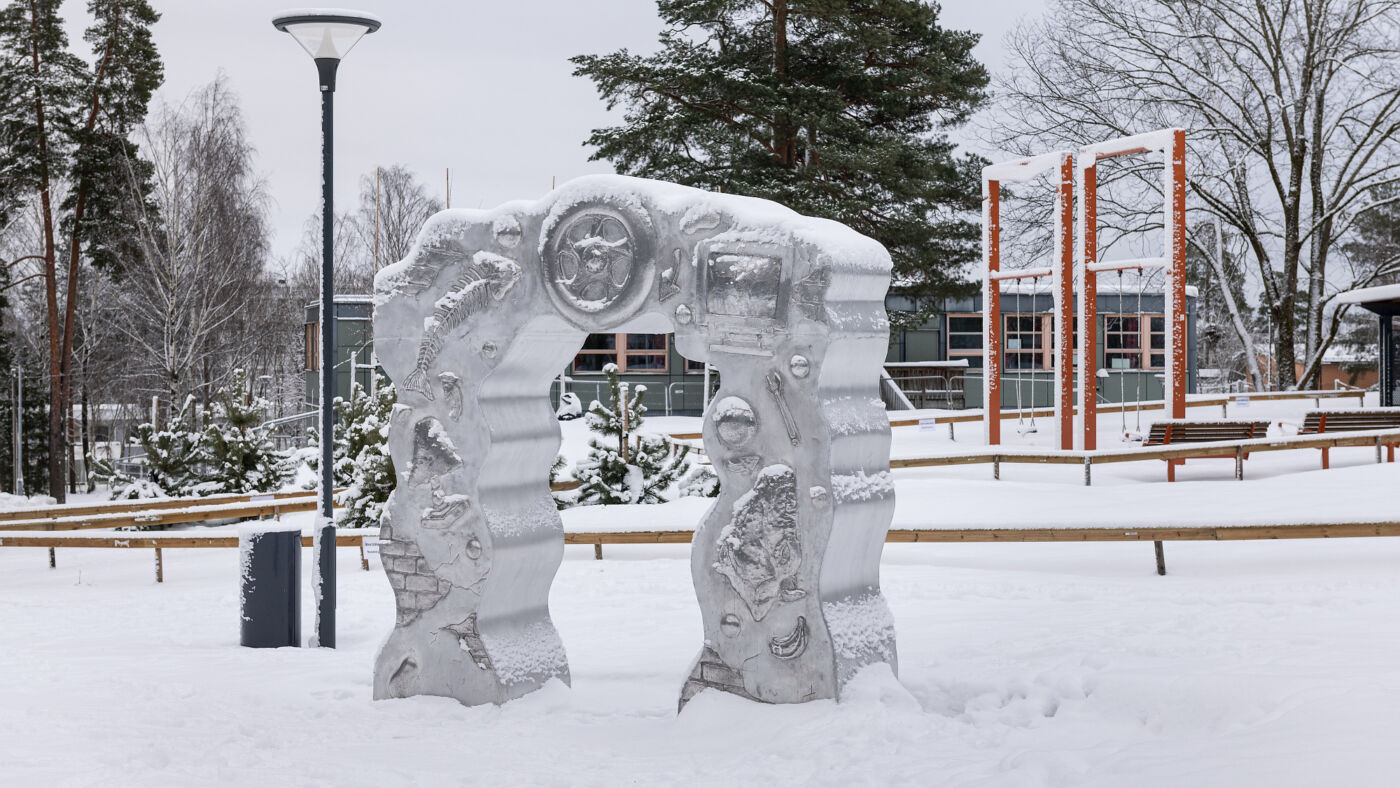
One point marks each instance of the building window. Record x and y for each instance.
(965, 338)
(313, 355)
(1158, 342)
(1134, 342)
(632, 353)
(1027, 342)
(693, 367)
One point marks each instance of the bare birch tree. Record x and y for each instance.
(1293, 112)
(188, 297)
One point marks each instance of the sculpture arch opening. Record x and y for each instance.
(483, 314)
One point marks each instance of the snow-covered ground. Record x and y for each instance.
(1251, 663)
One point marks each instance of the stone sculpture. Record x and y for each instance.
(491, 305)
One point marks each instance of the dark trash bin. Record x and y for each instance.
(270, 603)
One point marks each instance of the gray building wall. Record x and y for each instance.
(354, 341)
(1035, 387)
(680, 391)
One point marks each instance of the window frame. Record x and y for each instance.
(1043, 331)
(313, 347)
(974, 356)
(1145, 333)
(622, 355)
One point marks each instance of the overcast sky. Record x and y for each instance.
(481, 87)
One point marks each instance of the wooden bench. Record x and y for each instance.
(1177, 431)
(1317, 422)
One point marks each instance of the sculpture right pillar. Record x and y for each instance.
(786, 563)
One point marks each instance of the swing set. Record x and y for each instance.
(1071, 265)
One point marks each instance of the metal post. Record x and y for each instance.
(17, 433)
(323, 570)
(1386, 364)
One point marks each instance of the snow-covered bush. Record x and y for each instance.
(700, 482)
(136, 489)
(624, 466)
(237, 452)
(362, 463)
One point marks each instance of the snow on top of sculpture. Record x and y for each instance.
(491, 305)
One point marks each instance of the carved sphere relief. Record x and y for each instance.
(735, 423)
(800, 366)
(730, 625)
(507, 231)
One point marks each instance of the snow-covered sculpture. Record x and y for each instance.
(491, 305)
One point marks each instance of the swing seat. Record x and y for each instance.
(1026, 429)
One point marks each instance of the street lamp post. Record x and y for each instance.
(327, 35)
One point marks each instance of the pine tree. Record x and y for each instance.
(835, 108)
(174, 458)
(62, 121)
(34, 435)
(362, 462)
(624, 466)
(238, 454)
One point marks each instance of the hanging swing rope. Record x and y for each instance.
(1122, 392)
(1020, 414)
(1035, 327)
(1144, 334)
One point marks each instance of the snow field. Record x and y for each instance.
(1020, 665)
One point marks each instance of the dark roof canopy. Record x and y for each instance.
(1382, 299)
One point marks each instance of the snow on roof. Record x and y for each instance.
(1336, 355)
(1366, 295)
(1104, 288)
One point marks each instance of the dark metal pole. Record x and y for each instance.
(324, 578)
(1386, 363)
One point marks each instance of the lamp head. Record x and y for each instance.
(327, 35)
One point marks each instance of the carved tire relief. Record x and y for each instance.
(597, 265)
(491, 305)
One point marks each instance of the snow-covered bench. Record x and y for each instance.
(1317, 422)
(1176, 431)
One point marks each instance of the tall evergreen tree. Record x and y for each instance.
(835, 108)
(67, 122)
